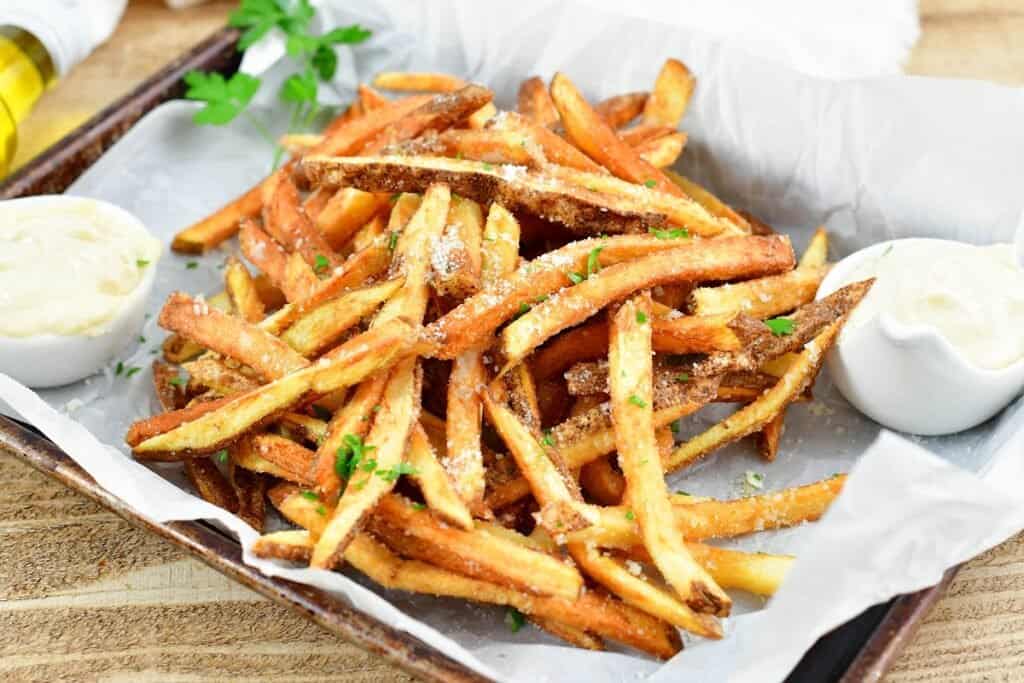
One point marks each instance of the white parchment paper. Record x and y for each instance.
(872, 159)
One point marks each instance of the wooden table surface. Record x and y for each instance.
(84, 596)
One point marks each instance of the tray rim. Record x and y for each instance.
(52, 172)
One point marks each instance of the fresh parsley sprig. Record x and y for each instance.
(227, 98)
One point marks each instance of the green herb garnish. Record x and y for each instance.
(514, 619)
(310, 495)
(641, 317)
(178, 381)
(630, 516)
(350, 454)
(548, 440)
(141, 263)
(780, 327)
(637, 401)
(320, 263)
(221, 456)
(191, 265)
(394, 472)
(670, 233)
(754, 479)
(650, 183)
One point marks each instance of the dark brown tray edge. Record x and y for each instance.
(53, 172)
(224, 554)
(57, 167)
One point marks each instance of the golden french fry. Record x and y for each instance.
(816, 254)
(714, 205)
(489, 145)
(535, 103)
(664, 151)
(464, 458)
(287, 223)
(263, 252)
(721, 259)
(169, 392)
(410, 81)
(763, 297)
(769, 436)
(241, 289)
(324, 326)
(500, 250)
(213, 374)
(211, 484)
(244, 456)
(219, 226)
(435, 484)
(619, 110)
(289, 457)
(672, 92)
(370, 99)
(588, 131)
(230, 336)
(346, 212)
(440, 112)
(455, 258)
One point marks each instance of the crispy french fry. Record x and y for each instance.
(373, 230)
(672, 92)
(588, 131)
(359, 132)
(435, 484)
(213, 374)
(714, 205)
(370, 99)
(763, 297)
(768, 438)
(346, 212)
(244, 456)
(241, 288)
(410, 81)
(619, 110)
(755, 415)
(250, 490)
(440, 112)
(169, 392)
(464, 458)
(695, 334)
(219, 226)
(142, 430)
(640, 593)
(645, 132)
(289, 457)
(518, 189)
(345, 432)
(211, 484)
(287, 223)
(302, 427)
(601, 482)
(324, 326)
(664, 151)
(490, 145)
(631, 376)
(816, 254)
(720, 259)
(292, 545)
(535, 103)
(455, 258)
(230, 336)
(554, 147)
(361, 356)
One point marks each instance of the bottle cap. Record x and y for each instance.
(70, 29)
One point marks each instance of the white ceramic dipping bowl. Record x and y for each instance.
(909, 377)
(50, 360)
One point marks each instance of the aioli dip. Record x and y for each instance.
(67, 268)
(972, 296)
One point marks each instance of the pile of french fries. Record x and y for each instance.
(471, 338)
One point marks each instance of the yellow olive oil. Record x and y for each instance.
(26, 70)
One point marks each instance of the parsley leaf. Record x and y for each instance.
(650, 183)
(221, 456)
(394, 472)
(191, 265)
(780, 327)
(524, 308)
(419, 506)
(637, 401)
(548, 440)
(141, 263)
(630, 516)
(593, 265)
(392, 241)
(670, 233)
(178, 381)
(224, 98)
(320, 263)
(514, 619)
(576, 278)
(682, 377)
(310, 495)
(754, 479)
(350, 454)
(131, 370)
(119, 368)
(299, 88)
(641, 317)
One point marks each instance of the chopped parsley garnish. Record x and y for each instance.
(682, 377)
(350, 454)
(487, 166)
(641, 317)
(514, 619)
(128, 372)
(541, 299)
(548, 440)
(674, 426)
(754, 479)
(392, 241)
(394, 472)
(192, 265)
(320, 263)
(178, 381)
(650, 183)
(141, 263)
(419, 506)
(780, 327)
(221, 456)
(375, 409)
(637, 401)
(630, 516)
(680, 492)
(142, 340)
(670, 233)
(576, 278)
(119, 368)
(524, 308)
(310, 495)
(593, 265)
(321, 510)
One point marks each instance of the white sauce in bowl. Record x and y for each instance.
(68, 268)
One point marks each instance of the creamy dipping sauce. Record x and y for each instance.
(973, 296)
(68, 269)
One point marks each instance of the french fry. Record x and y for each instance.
(672, 92)
(302, 427)
(211, 484)
(464, 458)
(619, 110)
(581, 343)
(631, 379)
(663, 151)
(535, 103)
(480, 555)
(640, 593)
(295, 461)
(755, 415)
(490, 145)
(250, 491)
(300, 281)
(440, 112)
(555, 148)
(346, 212)
(763, 297)
(286, 222)
(763, 344)
(714, 205)
(345, 432)
(370, 99)
(768, 438)
(500, 250)
(241, 288)
(541, 467)
(409, 81)
(219, 226)
(435, 484)
(213, 374)
(264, 253)
(588, 131)
(230, 336)
(695, 334)
(361, 356)
(142, 430)
(518, 189)
(244, 456)
(373, 230)
(323, 326)
(645, 132)
(359, 132)
(720, 259)
(292, 545)
(455, 258)
(169, 392)
(601, 482)
(816, 254)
